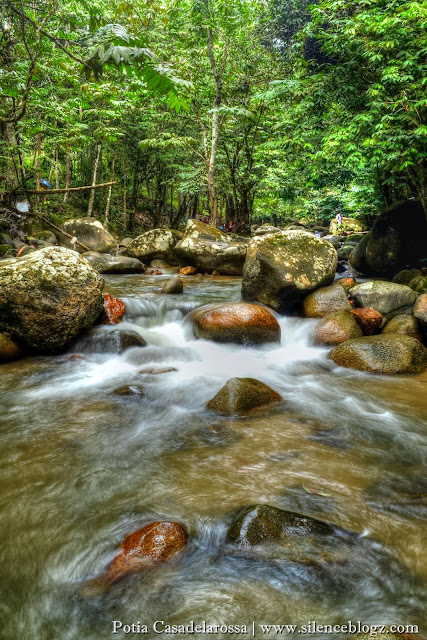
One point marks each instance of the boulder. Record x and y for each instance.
(357, 257)
(420, 308)
(382, 354)
(174, 285)
(48, 298)
(238, 322)
(281, 269)
(404, 325)
(262, 523)
(206, 255)
(325, 301)
(336, 328)
(405, 276)
(114, 309)
(125, 242)
(344, 251)
(346, 283)
(89, 232)
(9, 351)
(388, 298)
(198, 230)
(101, 340)
(368, 319)
(396, 239)
(348, 224)
(106, 263)
(152, 544)
(264, 229)
(160, 264)
(419, 284)
(187, 271)
(243, 395)
(154, 244)
(46, 236)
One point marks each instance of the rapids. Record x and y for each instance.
(81, 468)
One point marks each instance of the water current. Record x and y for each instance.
(80, 468)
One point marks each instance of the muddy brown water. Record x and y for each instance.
(81, 468)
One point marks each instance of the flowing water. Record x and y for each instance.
(80, 468)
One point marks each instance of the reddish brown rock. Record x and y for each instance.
(238, 322)
(114, 309)
(155, 543)
(8, 349)
(346, 283)
(187, 271)
(368, 319)
(337, 328)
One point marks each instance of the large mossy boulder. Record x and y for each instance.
(154, 244)
(337, 328)
(89, 232)
(242, 395)
(326, 300)
(281, 269)
(357, 257)
(388, 298)
(396, 240)
(106, 263)
(238, 322)
(227, 258)
(390, 353)
(48, 298)
(348, 224)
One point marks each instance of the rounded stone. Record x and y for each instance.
(238, 322)
(368, 319)
(9, 351)
(174, 285)
(326, 300)
(337, 328)
(243, 395)
(382, 354)
(404, 325)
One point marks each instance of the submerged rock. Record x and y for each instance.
(114, 309)
(281, 269)
(237, 322)
(336, 328)
(382, 354)
(48, 298)
(89, 232)
(129, 390)
(99, 340)
(155, 543)
(9, 351)
(243, 395)
(106, 263)
(388, 298)
(174, 285)
(404, 495)
(326, 300)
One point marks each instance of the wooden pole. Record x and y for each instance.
(92, 186)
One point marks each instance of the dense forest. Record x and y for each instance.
(261, 111)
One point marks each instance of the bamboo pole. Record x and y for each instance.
(92, 186)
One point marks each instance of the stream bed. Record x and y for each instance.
(80, 468)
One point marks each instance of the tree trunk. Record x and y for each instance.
(67, 173)
(107, 206)
(37, 157)
(95, 170)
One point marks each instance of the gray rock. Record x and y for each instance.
(48, 298)
(154, 244)
(388, 298)
(103, 340)
(107, 263)
(281, 269)
(89, 232)
(174, 285)
(227, 258)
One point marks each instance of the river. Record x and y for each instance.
(80, 468)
